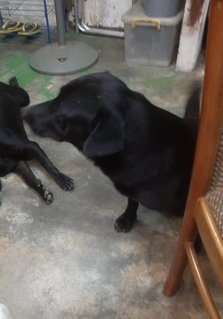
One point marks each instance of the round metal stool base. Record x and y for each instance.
(55, 59)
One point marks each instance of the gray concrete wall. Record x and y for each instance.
(106, 13)
(27, 10)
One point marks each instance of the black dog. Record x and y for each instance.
(147, 152)
(16, 149)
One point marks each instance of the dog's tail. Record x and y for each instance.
(13, 82)
(192, 110)
(19, 94)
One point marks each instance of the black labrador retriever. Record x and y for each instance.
(146, 151)
(16, 149)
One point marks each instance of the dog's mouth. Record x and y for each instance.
(34, 117)
(39, 118)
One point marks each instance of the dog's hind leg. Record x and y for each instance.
(125, 222)
(25, 172)
(35, 152)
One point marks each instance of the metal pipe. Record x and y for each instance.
(47, 22)
(75, 5)
(60, 22)
(98, 31)
(92, 30)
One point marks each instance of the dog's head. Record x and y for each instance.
(85, 113)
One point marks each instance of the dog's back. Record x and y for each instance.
(14, 91)
(12, 98)
(154, 168)
(12, 131)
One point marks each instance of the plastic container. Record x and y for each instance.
(162, 8)
(150, 41)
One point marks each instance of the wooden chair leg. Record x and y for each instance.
(207, 141)
(175, 275)
(203, 289)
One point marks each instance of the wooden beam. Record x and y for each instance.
(195, 15)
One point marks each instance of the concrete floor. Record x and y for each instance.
(65, 260)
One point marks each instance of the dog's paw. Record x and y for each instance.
(65, 182)
(48, 196)
(123, 224)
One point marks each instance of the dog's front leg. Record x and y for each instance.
(125, 222)
(33, 151)
(25, 172)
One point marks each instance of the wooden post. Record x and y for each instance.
(195, 15)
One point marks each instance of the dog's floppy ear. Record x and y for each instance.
(107, 138)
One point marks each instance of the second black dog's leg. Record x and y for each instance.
(35, 152)
(25, 172)
(125, 222)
